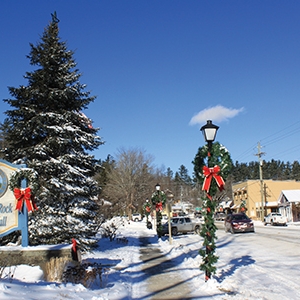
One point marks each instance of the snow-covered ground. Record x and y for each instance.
(250, 266)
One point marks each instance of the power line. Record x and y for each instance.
(275, 138)
(247, 152)
(282, 137)
(290, 150)
(280, 131)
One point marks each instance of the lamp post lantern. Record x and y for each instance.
(157, 187)
(209, 131)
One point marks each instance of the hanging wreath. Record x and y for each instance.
(158, 199)
(243, 207)
(147, 208)
(30, 175)
(24, 195)
(219, 156)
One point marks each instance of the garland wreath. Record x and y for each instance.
(147, 208)
(217, 157)
(24, 195)
(158, 199)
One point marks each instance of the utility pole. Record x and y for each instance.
(266, 198)
(259, 154)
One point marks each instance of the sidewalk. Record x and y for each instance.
(163, 278)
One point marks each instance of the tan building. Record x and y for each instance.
(247, 194)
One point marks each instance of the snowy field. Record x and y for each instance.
(250, 266)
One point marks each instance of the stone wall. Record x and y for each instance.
(34, 256)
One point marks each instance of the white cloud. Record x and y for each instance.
(217, 113)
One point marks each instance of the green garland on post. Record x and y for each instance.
(218, 156)
(147, 211)
(147, 208)
(208, 232)
(158, 200)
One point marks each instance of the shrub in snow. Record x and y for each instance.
(7, 272)
(88, 274)
(110, 228)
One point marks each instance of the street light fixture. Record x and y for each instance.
(209, 131)
(157, 187)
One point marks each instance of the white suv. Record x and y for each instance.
(136, 217)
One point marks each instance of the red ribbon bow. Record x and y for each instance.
(74, 245)
(148, 209)
(159, 206)
(22, 195)
(210, 173)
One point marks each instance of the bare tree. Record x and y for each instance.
(130, 181)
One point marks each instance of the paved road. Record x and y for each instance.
(290, 233)
(162, 276)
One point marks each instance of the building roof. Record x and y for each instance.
(289, 195)
(226, 204)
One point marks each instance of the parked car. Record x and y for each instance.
(181, 225)
(136, 217)
(275, 218)
(164, 217)
(197, 214)
(238, 223)
(182, 214)
(220, 216)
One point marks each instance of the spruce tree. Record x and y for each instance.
(50, 134)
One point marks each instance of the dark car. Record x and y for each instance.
(220, 216)
(238, 223)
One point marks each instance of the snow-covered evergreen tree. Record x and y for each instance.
(49, 133)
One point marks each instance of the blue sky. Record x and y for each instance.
(160, 69)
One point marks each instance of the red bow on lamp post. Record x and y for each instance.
(159, 206)
(22, 195)
(210, 173)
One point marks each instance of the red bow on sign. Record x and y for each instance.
(210, 173)
(22, 195)
(159, 206)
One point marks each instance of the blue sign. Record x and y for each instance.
(10, 218)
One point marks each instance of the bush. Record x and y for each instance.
(87, 274)
(111, 227)
(7, 271)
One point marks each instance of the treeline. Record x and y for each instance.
(127, 180)
(274, 169)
